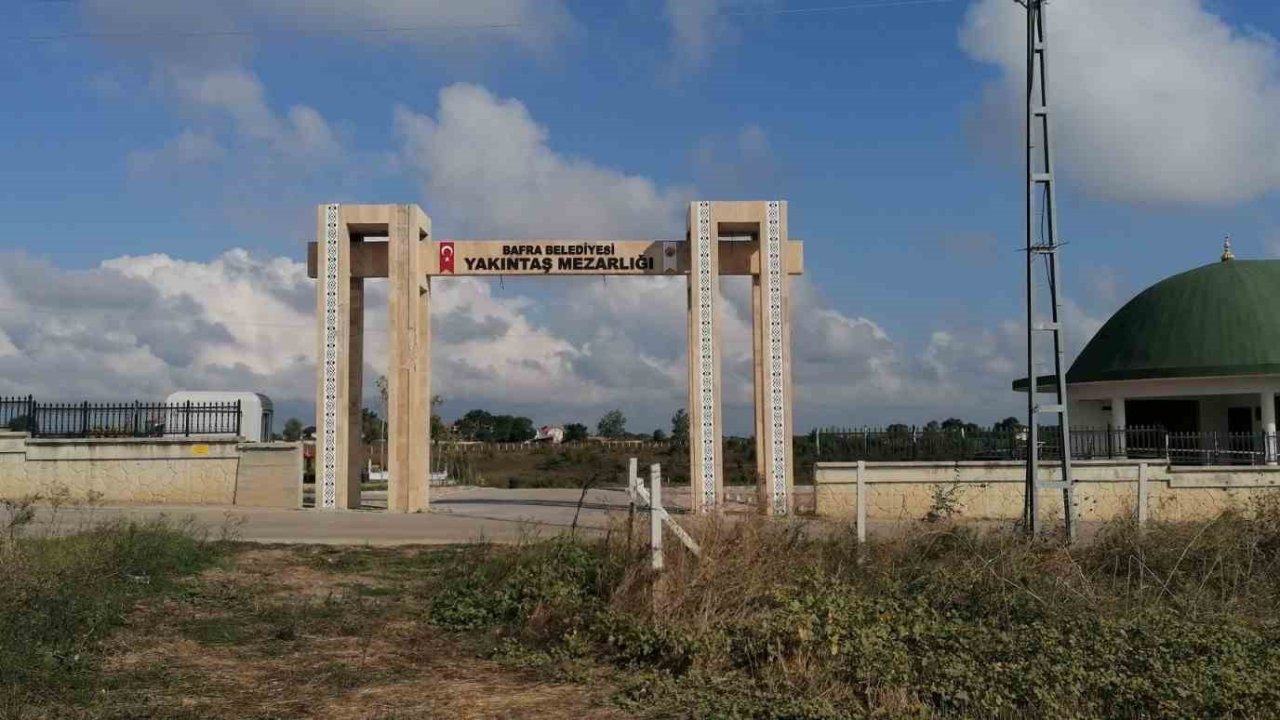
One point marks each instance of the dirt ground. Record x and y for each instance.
(317, 632)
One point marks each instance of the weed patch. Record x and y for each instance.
(62, 594)
(771, 622)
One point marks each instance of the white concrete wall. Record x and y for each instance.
(994, 490)
(1089, 414)
(153, 471)
(1175, 387)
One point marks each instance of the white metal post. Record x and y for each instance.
(1268, 401)
(655, 515)
(633, 479)
(861, 499)
(1143, 491)
(1118, 424)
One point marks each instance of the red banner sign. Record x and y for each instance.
(446, 256)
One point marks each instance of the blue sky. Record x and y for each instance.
(885, 125)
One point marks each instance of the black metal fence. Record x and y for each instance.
(908, 443)
(119, 420)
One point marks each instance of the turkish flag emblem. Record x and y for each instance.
(446, 256)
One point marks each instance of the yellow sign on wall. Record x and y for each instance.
(199, 449)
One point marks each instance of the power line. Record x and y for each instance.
(243, 33)
(463, 27)
(872, 4)
(76, 313)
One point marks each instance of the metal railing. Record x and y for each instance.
(960, 444)
(119, 420)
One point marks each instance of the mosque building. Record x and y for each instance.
(1196, 356)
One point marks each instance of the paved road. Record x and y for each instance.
(458, 515)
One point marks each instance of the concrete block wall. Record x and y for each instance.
(994, 490)
(153, 471)
(269, 475)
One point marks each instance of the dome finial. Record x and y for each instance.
(1227, 255)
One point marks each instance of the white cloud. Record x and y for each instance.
(695, 27)
(530, 23)
(264, 306)
(236, 96)
(7, 348)
(230, 117)
(1165, 104)
(489, 170)
(193, 28)
(200, 52)
(741, 166)
(699, 27)
(190, 147)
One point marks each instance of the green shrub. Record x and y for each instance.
(560, 578)
(1169, 621)
(61, 594)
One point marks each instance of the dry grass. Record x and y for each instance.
(775, 621)
(287, 632)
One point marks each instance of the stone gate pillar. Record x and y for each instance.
(409, 362)
(706, 476)
(772, 260)
(340, 310)
(771, 320)
(343, 260)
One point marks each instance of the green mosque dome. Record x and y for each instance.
(1215, 320)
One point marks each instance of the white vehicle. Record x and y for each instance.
(207, 412)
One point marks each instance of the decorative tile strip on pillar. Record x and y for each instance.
(706, 358)
(329, 424)
(774, 276)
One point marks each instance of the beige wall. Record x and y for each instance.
(154, 471)
(994, 490)
(269, 475)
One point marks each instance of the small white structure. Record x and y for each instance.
(551, 434)
(203, 412)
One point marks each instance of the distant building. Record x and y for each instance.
(1196, 355)
(550, 434)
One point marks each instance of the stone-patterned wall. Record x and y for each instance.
(160, 471)
(979, 490)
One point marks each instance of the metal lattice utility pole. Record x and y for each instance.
(1042, 242)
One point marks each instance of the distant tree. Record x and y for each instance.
(898, 429)
(439, 430)
(1009, 424)
(510, 428)
(575, 432)
(383, 394)
(932, 426)
(371, 426)
(612, 425)
(953, 424)
(483, 426)
(292, 430)
(659, 436)
(476, 425)
(680, 428)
